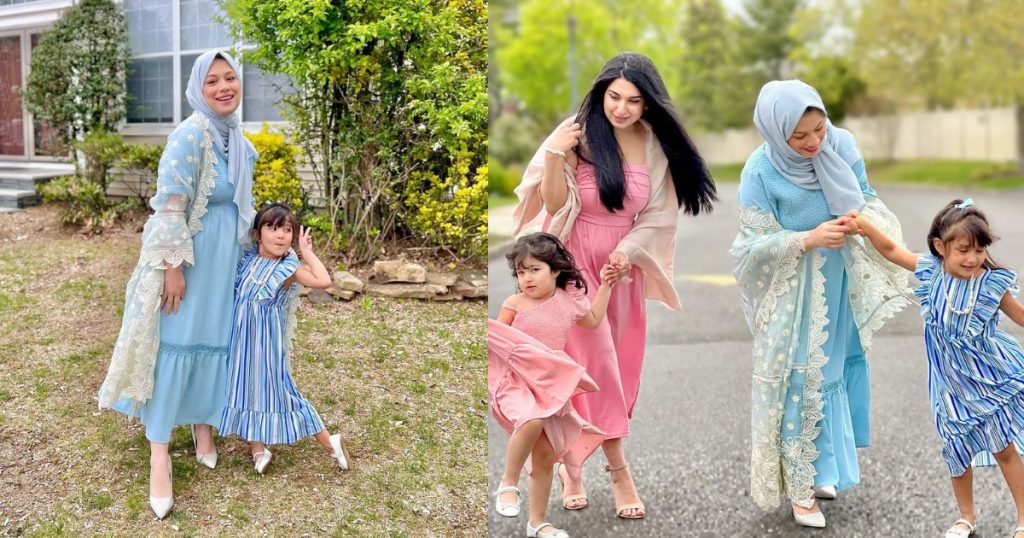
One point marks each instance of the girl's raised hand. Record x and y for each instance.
(305, 239)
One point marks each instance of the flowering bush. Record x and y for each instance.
(275, 178)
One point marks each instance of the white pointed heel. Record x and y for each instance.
(825, 492)
(961, 532)
(1015, 531)
(261, 460)
(209, 459)
(508, 509)
(814, 519)
(162, 505)
(340, 452)
(536, 532)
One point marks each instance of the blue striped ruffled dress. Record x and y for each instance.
(975, 370)
(263, 403)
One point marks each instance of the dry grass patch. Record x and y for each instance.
(403, 380)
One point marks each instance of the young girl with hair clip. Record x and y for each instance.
(263, 404)
(610, 183)
(975, 370)
(531, 379)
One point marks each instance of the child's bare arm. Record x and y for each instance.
(600, 305)
(1012, 308)
(884, 244)
(506, 315)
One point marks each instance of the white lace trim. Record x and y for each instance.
(800, 455)
(207, 171)
(171, 256)
(130, 374)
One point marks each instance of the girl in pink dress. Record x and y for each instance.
(610, 183)
(531, 380)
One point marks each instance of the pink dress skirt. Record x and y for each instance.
(612, 354)
(529, 377)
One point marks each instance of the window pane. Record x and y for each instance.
(149, 25)
(150, 87)
(13, 2)
(261, 94)
(186, 69)
(199, 26)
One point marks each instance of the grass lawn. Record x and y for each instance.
(972, 174)
(403, 380)
(499, 200)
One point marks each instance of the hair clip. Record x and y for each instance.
(965, 204)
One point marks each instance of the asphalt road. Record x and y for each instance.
(689, 447)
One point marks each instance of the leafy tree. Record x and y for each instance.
(715, 93)
(77, 78)
(534, 58)
(765, 41)
(390, 103)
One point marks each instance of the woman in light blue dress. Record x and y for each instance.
(169, 366)
(812, 299)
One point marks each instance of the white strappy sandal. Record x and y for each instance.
(960, 532)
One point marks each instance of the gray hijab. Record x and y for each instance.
(780, 106)
(228, 140)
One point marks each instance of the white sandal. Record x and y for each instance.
(340, 452)
(536, 532)
(960, 532)
(507, 509)
(1015, 531)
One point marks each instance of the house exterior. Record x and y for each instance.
(165, 36)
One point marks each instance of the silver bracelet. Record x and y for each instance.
(554, 151)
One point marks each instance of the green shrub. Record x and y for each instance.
(275, 177)
(101, 150)
(501, 179)
(83, 203)
(141, 161)
(450, 211)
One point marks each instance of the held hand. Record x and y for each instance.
(620, 264)
(608, 275)
(852, 223)
(829, 234)
(174, 290)
(566, 138)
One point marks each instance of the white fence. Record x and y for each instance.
(966, 134)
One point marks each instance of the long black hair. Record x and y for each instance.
(695, 189)
(548, 249)
(954, 222)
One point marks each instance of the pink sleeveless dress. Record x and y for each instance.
(613, 353)
(530, 377)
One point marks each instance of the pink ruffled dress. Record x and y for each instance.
(530, 377)
(613, 353)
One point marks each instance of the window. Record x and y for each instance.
(166, 37)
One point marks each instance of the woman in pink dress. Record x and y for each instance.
(610, 183)
(530, 379)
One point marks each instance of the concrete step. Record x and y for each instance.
(18, 198)
(26, 176)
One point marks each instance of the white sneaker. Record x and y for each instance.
(960, 532)
(814, 519)
(261, 460)
(825, 492)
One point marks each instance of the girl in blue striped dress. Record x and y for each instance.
(263, 404)
(975, 371)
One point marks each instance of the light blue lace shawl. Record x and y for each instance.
(770, 270)
(184, 182)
